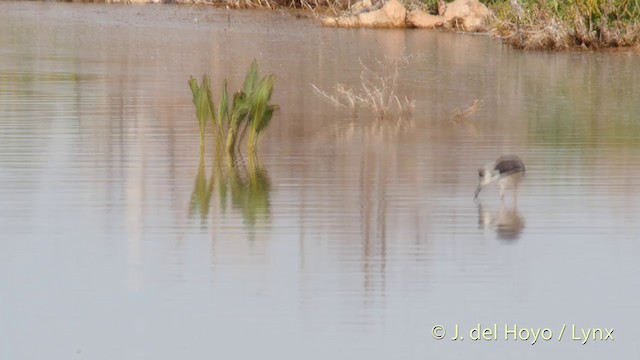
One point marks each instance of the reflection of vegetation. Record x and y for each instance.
(202, 191)
(247, 185)
(250, 109)
(581, 109)
(43, 77)
(567, 129)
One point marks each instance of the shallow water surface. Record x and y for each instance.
(345, 238)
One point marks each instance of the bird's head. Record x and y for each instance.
(485, 176)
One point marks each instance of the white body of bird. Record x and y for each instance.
(507, 171)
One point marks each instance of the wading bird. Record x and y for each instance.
(508, 171)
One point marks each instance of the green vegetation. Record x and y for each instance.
(560, 24)
(250, 109)
(247, 186)
(202, 101)
(556, 24)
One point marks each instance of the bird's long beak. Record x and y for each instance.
(475, 196)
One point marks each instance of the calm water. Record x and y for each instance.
(343, 240)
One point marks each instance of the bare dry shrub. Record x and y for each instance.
(377, 91)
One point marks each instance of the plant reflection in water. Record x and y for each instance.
(238, 184)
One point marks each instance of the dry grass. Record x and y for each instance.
(588, 24)
(237, 4)
(530, 29)
(377, 91)
(323, 6)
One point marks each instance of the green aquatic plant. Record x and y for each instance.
(238, 116)
(202, 101)
(248, 87)
(249, 110)
(261, 110)
(254, 104)
(251, 79)
(223, 115)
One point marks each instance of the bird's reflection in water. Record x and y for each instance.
(507, 222)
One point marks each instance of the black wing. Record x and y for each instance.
(509, 164)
